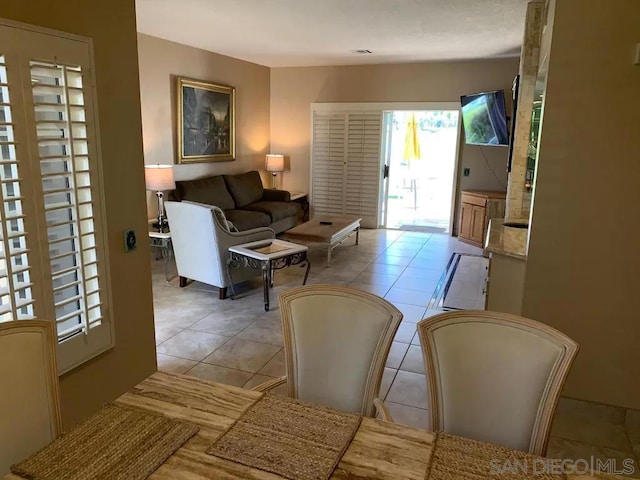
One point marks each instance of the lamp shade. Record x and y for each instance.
(274, 163)
(159, 177)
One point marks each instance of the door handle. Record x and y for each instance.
(385, 171)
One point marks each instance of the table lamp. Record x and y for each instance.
(159, 178)
(274, 164)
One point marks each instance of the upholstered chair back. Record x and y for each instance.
(336, 344)
(494, 377)
(29, 398)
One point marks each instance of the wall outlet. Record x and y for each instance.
(466, 172)
(130, 240)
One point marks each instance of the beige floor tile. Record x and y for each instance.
(385, 269)
(178, 314)
(219, 374)
(269, 331)
(591, 410)
(396, 354)
(165, 332)
(275, 367)
(375, 278)
(419, 285)
(411, 313)
(602, 429)
(413, 360)
(224, 324)
(387, 378)
(256, 380)
(411, 297)
(573, 450)
(242, 355)
(409, 389)
(191, 345)
(387, 259)
(167, 363)
(405, 333)
(423, 273)
(406, 415)
(378, 290)
(632, 425)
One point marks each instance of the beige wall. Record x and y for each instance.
(112, 25)
(584, 261)
(161, 62)
(294, 89)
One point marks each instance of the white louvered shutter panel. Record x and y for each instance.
(363, 166)
(16, 295)
(62, 192)
(328, 163)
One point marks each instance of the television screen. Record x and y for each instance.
(485, 118)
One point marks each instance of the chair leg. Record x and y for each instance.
(183, 282)
(222, 293)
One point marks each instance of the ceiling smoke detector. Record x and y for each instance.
(362, 51)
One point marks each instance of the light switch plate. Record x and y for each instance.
(130, 240)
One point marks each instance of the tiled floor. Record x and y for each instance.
(238, 343)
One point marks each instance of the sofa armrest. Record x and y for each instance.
(273, 195)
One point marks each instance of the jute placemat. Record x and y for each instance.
(117, 443)
(457, 458)
(290, 438)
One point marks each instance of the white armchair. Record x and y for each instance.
(201, 245)
(336, 343)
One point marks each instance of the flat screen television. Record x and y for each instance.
(484, 117)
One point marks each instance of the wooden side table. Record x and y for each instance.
(303, 199)
(268, 256)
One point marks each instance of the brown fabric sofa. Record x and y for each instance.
(244, 200)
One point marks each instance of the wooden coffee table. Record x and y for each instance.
(328, 235)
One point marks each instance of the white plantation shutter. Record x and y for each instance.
(16, 299)
(327, 189)
(345, 164)
(363, 166)
(63, 233)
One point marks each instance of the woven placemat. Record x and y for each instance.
(290, 438)
(117, 443)
(457, 458)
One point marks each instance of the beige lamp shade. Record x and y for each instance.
(274, 163)
(159, 177)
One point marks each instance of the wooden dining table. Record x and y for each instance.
(379, 450)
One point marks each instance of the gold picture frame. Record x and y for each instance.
(206, 121)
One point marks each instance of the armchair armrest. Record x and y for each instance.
(228, 239)
(382, 410)
(269, 384)
(273, 195)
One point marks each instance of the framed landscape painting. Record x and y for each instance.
(206, 122)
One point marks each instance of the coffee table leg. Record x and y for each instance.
(266, 274)
(306, 274)
(357, 235)
(329, 250)
(233, 292)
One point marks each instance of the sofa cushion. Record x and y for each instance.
(245, 188)
(246, 220)
(209, 190)
(275, 210)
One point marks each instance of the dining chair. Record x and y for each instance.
(29, 399)
(494, 377)
(336, 343)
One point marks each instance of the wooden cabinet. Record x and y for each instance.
(477, 208)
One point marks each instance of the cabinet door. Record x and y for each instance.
(465, 221)
(477, 224)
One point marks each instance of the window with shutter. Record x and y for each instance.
(345, 164)
(53, 258)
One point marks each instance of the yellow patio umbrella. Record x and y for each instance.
(411, 141)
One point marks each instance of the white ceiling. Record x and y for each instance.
(279, 33)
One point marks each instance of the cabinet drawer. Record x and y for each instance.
(479, 201)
